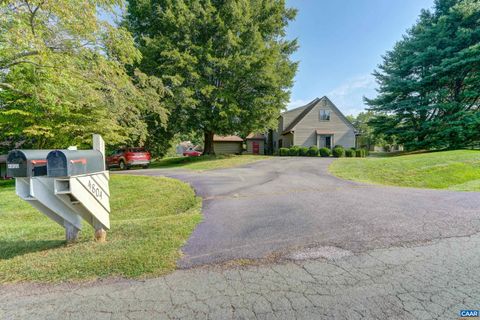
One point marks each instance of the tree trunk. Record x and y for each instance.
(270, 142)
(208, 144)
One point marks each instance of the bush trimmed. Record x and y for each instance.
(303, 151)
(338, 152)
(325, 152)
(283, 152)
(349, 153)
(312, 151)
(293, 151)
(360, 153)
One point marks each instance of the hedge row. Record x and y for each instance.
(337, 152)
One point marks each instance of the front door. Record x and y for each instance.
(325, 141)
(256, 147)
(328, 142)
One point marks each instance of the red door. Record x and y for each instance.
(255, 147)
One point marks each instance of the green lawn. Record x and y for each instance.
(454, 170)
(207, 162)
(151, 219)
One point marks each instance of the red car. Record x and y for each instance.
(190, 152)
(129, 157)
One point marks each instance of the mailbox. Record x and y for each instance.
(65, 185)
(27, 163)
(66, 163)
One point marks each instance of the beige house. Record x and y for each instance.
(255, 143)
(227, 144)
(319, 123)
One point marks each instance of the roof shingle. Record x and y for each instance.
(227, 139)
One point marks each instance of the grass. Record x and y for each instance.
(151, 219)
(207, 162)
(454, 170)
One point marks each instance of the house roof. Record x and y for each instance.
(256, 136)
(302, 115)
(227, 139)
(309, 108)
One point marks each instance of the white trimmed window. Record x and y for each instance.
(324, 115)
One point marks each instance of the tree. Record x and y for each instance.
(429, 91)
(63, 76)
(368, 137)
(227, 62)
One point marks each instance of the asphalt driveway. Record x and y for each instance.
(274, 207)
(342, 250)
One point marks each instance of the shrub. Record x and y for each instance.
(302, 151)
(360, 153)
(325, 152)
(293, 151)
(312, 151)
(283, 152)
(338, 152)
(349, 153)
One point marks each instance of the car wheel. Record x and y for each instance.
(122, 165)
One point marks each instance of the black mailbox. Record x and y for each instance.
(64, 163)
(27, 163)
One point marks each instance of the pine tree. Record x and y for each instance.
(429, 91)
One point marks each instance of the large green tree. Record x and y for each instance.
(429, 92)
(63, 76)
(227, 62)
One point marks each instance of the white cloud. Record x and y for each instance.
(348, 96)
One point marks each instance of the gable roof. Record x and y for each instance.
(309, 108)
(227, 139)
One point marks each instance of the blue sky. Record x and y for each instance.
(341, 43)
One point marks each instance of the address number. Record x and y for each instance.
(95, 190)
(13, 166)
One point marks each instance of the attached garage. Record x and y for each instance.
(255, 144)
(227, 144)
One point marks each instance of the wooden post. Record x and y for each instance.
(99, 145)
(100, 235)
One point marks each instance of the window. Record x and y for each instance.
(324, 115)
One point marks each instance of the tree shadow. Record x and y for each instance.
(11, 249)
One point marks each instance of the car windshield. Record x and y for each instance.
(137, 150)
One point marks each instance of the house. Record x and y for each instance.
(319, 123)
(255, 143)
(227, 144)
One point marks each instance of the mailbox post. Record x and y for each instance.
(66, 185)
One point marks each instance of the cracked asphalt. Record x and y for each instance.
(324, 248)
(432, 281)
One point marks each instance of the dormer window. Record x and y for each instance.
(324, 115)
